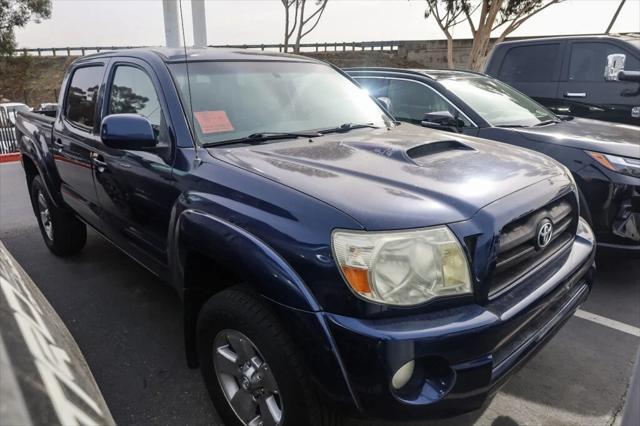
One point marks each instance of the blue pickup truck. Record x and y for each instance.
(332, 262)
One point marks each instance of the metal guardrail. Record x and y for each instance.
(8, 142)
(387, 46)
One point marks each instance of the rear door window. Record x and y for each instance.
(80, 103)
(588, 60)
(535, 63)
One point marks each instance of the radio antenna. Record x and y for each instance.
(186, 64)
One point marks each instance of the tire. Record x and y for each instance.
(62, 232)
(240, 320)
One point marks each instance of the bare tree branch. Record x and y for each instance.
(319, 13)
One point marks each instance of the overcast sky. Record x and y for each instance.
(139, 22)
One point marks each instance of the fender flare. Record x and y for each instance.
(258, 264)
(30, 150)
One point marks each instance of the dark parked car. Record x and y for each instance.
(329, 260)
(566, 74)
(44, 379)
(604, 158)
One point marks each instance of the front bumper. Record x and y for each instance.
(464, 354)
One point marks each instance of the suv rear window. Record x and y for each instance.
(80, 104)
(536, 63)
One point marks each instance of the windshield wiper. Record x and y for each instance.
(510, 125)
(255, 138)
(348, 126)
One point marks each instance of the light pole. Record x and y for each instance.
(199, 23)
(171, 23)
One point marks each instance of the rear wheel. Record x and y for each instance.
(62, 232)
(253, 371)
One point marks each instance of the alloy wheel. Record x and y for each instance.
(45, 215)
(246, 380)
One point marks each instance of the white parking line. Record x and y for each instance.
(607, 322)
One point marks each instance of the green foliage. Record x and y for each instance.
(15, 14)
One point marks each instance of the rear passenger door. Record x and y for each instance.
(585, 92)
(534, 69)
(135, 188)
(75, 137)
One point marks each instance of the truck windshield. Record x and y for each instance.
(498, 103)
(233, 100)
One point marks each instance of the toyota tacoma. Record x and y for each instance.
(331, 261)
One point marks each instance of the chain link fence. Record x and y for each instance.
(8, 142)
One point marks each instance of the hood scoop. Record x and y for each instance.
(433, 149)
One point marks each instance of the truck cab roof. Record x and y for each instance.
(192, 54)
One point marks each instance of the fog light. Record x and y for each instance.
(403, 375)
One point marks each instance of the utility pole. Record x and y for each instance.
(615, 16)
(171, 23)
(199, 23)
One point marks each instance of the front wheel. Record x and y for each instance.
(252, 369)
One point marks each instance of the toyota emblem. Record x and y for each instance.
(545, 232)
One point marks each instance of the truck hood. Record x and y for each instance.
(592, 135)
(405, 177)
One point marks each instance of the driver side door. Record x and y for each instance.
(136, 187)
(585, 92)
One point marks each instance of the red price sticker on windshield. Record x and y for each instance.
(213, 121)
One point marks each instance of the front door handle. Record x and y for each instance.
(99, 162)
(575, 95)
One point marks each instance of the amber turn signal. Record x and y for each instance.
(357, 278)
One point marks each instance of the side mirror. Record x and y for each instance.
(386, 102)
(127, 131)
(442, 120)
(615, 64)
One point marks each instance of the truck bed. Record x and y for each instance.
(34, 127)
(36, 116)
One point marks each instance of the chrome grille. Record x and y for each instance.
(519, 249)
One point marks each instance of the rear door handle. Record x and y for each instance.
(58, 145)
(98, 161)
(575, 95)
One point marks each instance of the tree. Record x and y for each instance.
(289, 27)
(488, 16)
(301, 24)
(447, 14)
(15, 14)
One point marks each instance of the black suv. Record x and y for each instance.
(566, 74)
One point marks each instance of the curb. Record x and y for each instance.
(7, 158)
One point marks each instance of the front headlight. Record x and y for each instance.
(404, 267)
(625, 165)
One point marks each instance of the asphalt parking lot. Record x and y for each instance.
(128, 325)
